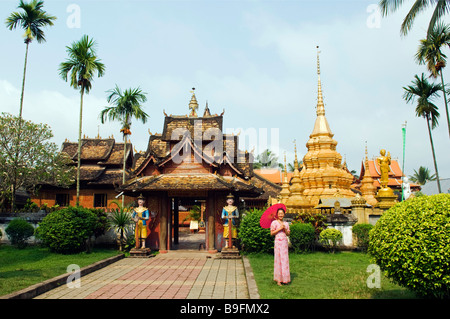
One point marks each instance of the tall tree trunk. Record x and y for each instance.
(23, 79)
(124, 165)
(434, 155)
(79, 148)
(445, 100)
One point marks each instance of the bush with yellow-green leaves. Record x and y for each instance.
(411, 244)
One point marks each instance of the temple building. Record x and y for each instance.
(101, 170)
(193, 159)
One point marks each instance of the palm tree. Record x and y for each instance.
(82, 65)
(267, 159)
(430, 53)
(425, 91)
(441, 8)
(126, 105)
(422, 176)
(32, 20)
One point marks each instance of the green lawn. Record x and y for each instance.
(321, 275)
(20, 268)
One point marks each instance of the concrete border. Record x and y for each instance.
(253, 292)
(42, 287)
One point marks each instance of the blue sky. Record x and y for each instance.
(255, 59)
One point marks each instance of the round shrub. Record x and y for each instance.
(67, 230)
(330, 238)
(302, 236)
(253, 237)
(361, 231)
(18, 231)
(411, 244)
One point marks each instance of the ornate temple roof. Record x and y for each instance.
(222, 167)
(101, 160)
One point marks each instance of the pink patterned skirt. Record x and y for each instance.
(281, 261)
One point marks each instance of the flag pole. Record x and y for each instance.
(403, 161)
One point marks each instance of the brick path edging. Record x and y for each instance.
(251, 283)
(42, 287)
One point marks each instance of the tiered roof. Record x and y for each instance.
(101, 160)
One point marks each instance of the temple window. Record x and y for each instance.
(62, 200)
(100, 200)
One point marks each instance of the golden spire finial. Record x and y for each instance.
(285, 167)
(296, 160)
(366, 161)
(193, 105)
(320, 109)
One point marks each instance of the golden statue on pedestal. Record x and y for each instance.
(384, 162)
(385, 195)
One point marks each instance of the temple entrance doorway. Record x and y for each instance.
(188, 223)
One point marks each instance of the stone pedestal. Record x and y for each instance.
(386, 198)
(140, 253)
(230, 253)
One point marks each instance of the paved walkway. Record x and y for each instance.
(176, 275)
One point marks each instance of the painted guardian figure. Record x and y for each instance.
(140, 216)
(230, 211)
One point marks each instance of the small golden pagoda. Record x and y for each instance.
(323, 175)
(368, 189)
(296, 200)
(284, 193)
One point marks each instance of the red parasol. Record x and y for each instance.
(270, 214)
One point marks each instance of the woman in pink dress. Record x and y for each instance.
(280, 230)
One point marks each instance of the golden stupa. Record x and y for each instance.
(368, 189)
(323, 174)
(296, 201)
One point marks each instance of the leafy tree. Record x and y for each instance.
(330, 238)
(126, 105)
(422, 176)
(430, 53)
(28, 158)
(32, 19)
(441, 8)
(424, 92)
(82, 65)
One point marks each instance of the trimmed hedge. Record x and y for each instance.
(252, 236)
(18, 231)
(302, 236)
(411, 244)
(361, 232)
(67, 230)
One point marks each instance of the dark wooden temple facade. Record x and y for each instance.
(100, 175)
(190, 159)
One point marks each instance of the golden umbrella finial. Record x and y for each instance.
(193, 105)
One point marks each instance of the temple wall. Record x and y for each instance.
(86, 197)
